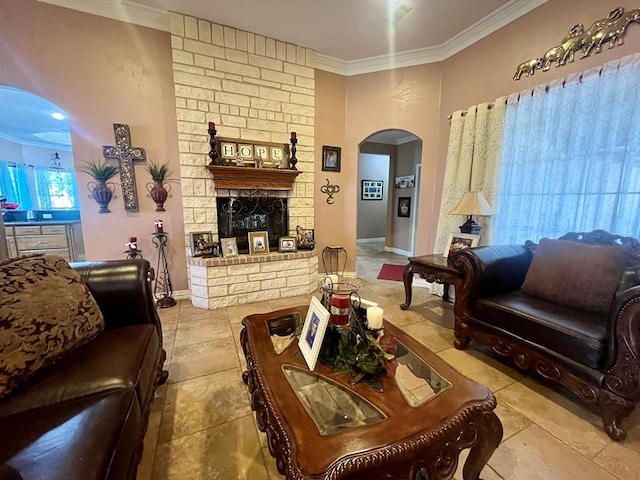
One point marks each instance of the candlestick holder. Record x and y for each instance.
(213, 153)
(133, 254)
(293, 160)
(162, 290)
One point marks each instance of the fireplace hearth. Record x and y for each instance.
(237, 216)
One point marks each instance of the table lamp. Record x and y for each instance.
(472, 203)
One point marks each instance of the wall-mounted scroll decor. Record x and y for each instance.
(608, 30)
(125, 154)
(330, 191)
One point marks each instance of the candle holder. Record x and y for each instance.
(162, 290)
(213, 153)
(293, 160)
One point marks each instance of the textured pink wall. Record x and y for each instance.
(419, 99)
(102, 72)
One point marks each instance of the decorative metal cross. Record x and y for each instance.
(125, 154)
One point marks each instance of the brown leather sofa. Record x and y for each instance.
(596, 355)
(85, 416)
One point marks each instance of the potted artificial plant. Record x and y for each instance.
(100, 191)
(159, 189)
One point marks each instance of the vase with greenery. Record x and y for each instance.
(160, 188)
(100, 190)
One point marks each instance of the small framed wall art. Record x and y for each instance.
(258, 242)
(406, 181)
(404, 206)
(229, 247)
(330, 159)
(287, 244)
(372, 189)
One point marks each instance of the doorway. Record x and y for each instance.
(388, 160)
(37, 176)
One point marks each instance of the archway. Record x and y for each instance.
(37, 176)
(389, 166)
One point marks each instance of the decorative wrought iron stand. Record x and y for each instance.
(133, 254)
(162, 289)
(334, 259)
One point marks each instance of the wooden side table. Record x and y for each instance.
(433, 268)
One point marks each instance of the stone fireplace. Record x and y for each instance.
(256, 90)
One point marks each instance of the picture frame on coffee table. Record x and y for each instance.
(313, 330)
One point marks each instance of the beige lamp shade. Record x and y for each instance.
(473, 203)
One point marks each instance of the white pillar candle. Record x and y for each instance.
(374, 317)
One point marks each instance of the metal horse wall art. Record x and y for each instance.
(610, 29)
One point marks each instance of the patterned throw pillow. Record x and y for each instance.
(45, 312)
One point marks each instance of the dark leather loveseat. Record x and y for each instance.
(85, 416)
(564, 324)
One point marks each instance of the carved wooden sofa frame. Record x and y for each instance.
(615, 388)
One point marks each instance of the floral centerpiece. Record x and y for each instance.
(357, 350)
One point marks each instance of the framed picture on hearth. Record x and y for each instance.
(229, 247)
(201, 243)
(258, 242)
(287, 244)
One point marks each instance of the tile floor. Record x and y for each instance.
(201, 426)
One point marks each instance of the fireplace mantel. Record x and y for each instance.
(253, 178)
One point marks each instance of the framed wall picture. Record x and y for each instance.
(315, 325)
(404, 206)
(406, 181)
(330, 159)
(201, 243)
(372, 189)
(305, 238)
(229, 247)
(258, 242)
(287, 244)
(460, 241)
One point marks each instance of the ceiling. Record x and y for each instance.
(348, 36)
(26, 119)
(344, 29)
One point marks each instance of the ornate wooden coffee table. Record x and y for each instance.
(318, 426)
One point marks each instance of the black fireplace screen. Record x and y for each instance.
(241, 215)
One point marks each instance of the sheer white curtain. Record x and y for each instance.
(571, 157)
(473, 163)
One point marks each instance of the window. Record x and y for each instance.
(38, 188)
(571, 159)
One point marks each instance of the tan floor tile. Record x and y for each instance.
(288, 302)
(623, 458)
(475, 369)
(203, 358)
(145, 469)
(487, 472)
(558, 415)
(432, 336)
(229, 451)
(200, 331)
(203, 402)
(238, 312)
(270, 462)
(534, 454)
(196, 314)
(400, 318)
(236, 337)
(512, 421)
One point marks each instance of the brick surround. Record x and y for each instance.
(255, 89)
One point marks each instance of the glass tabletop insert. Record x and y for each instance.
(417, 380)
(332, 407)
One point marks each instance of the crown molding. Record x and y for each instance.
(35, 143)
(135, 13)
(482, 28)
(122, 10)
